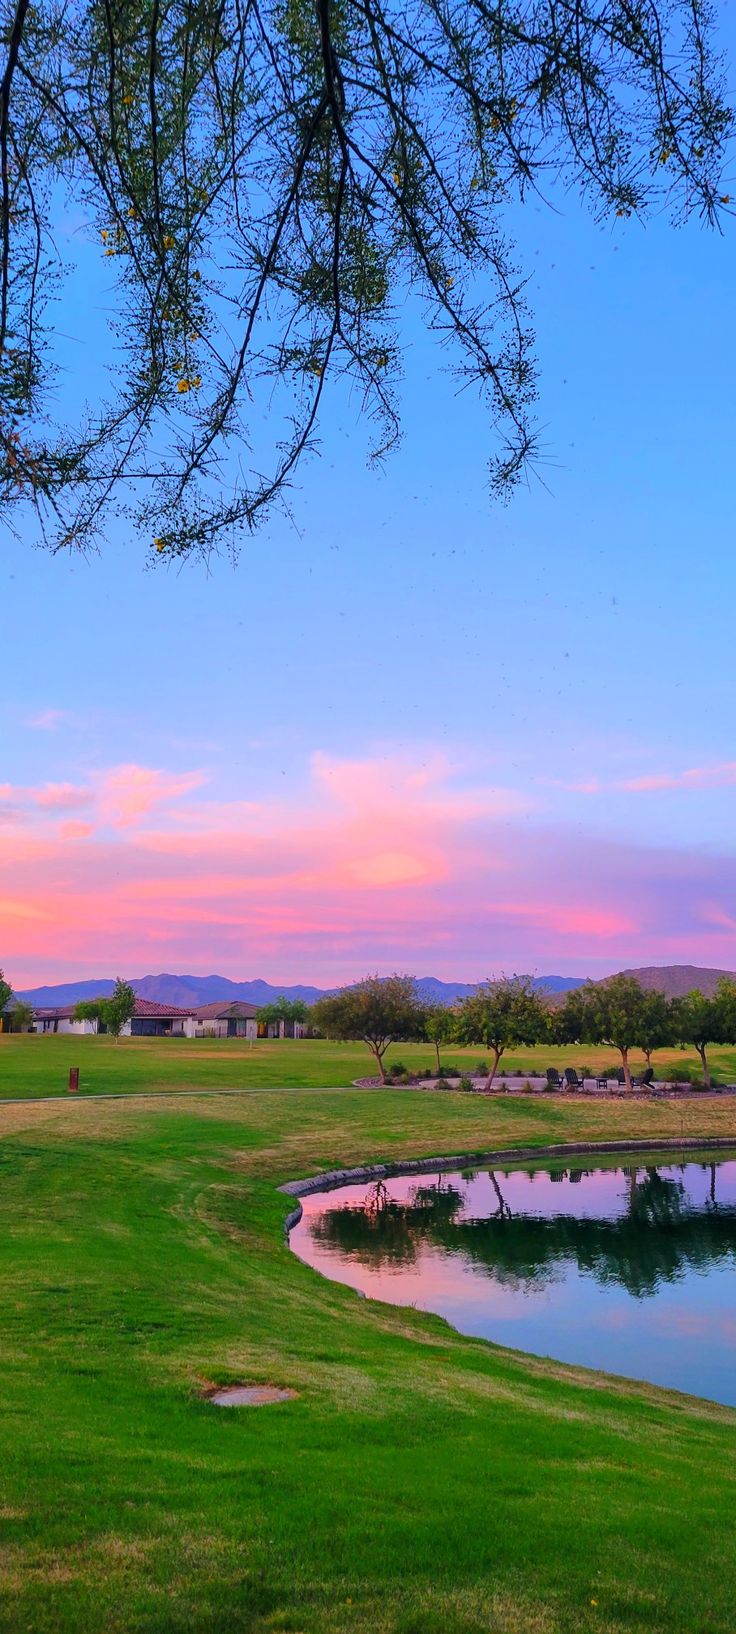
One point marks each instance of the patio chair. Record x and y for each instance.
(644, 1080)
(572, 1080)
(553, 1078)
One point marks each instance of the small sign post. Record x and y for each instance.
(73, 1080)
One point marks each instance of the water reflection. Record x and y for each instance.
(626, 1269)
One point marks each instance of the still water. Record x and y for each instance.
(629, 1269)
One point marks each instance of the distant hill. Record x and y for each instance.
(194, 990)
(676, 980)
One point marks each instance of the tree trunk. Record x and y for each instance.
(702, 1052)
(503, 1207)
(627, 1069)
(379, 1054)
(437, 1053)
(647, 1057)
(494, 1069)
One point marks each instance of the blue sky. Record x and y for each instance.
(558, 672)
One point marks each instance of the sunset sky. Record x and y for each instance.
(409, 730)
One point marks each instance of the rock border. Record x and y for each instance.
(331, 1179)
(511, 1084)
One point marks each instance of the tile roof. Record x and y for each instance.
(148, 1007)
(237, 1009)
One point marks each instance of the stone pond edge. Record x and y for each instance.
(330, 1179)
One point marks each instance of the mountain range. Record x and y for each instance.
(184, 991)
(194, 990)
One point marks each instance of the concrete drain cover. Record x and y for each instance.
(250, 1395)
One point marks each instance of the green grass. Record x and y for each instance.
(31, 1064)
(423, 1483)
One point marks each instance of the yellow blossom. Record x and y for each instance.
(725, 198)
(127, 101)
(132, 215)
(159, 543)
(182, 385)
(169, 242)
(103, 235)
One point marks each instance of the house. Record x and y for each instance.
(60, 1019)
(151, 1020)
(234, 1020)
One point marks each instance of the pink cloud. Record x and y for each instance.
(47, 720)
(129, 793)
(62, 797)
(371, 863)
(721, 775)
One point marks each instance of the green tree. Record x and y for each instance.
(6, 994)
(701, 1021)
(282, 1009)
(22, 1016)
(113, 1013)
(439, 1025)
(380, 1010)
(264, 184)
(612, 1012)
(657, 1025)
(501, 1015)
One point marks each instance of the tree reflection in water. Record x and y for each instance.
(660, 1234)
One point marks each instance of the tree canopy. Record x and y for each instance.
(283, 1009)
(113, 1012)
(6, 993)
(440, 1025)
(266, 183)
(502, 1014)
(701, 1021)
(616, 1011)
(379, 1010)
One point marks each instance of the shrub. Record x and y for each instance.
(396, 1068)
(481, 1069)
(466, 1084)
(528, 1088)
(443, 1084)
(450, 1072)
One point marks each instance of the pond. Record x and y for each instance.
(631, 1268)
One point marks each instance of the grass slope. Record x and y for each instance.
(31, 1064)
(423, 1483)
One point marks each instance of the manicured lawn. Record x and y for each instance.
(31, 1064)
(422, 1483)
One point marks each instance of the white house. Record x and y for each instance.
(60, 1019)
(151, 1020)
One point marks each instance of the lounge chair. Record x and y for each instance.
(553, 1078)
(645, 1079)
(572, 1080)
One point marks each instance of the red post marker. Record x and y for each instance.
(73, 1080)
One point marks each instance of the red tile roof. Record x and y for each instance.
(148, 1007)
(226, 1009)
